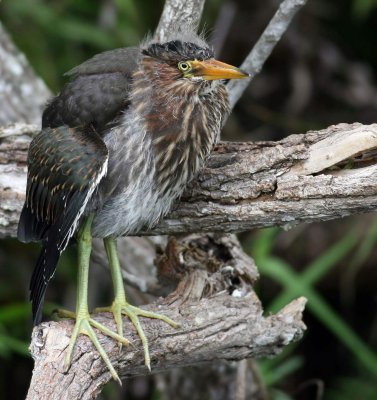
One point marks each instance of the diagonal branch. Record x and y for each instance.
(22, 93)
(263, 48)
(220, 316)
(206, 335)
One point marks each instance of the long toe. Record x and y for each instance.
(133, 313)
(122, 307)
(84, 325)
(116, 310)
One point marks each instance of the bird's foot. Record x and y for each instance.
(121, 307)
(84, 325)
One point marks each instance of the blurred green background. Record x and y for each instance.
(322, 73)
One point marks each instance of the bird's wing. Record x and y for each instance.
(97, 93)
(65, 166)
(118, 60)
(68, 158)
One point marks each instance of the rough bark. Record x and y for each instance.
(178, 13)
(303, 178)
(210, 338)
(220, 317)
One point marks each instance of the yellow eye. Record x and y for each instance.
(184, 66)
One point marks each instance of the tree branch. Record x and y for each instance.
(263, 48)
(227, 331)
(177, 13)
(225, 291)
(245, 185)
(220, 317)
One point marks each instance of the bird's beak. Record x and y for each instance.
(213, 69)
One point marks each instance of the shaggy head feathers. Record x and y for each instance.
(182, 45)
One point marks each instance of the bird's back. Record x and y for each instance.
(97, 93)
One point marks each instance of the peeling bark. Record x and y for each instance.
(220, 318)
(318, 176)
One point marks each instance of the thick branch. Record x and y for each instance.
(220, 317)
(263, 48)
(245, 185)
(213, 329)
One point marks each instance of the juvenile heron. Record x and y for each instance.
(118, 145)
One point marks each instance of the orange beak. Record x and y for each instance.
(213, 69)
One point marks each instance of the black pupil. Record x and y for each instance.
(184, 66)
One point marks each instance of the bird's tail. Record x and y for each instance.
(43, 272)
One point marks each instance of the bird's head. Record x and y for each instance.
(178, 59)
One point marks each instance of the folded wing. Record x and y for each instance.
(65, 166)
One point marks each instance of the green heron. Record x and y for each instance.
(118, 145)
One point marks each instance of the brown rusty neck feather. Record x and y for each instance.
(183, 117)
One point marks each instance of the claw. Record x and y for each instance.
(122, 307)
(84, 326)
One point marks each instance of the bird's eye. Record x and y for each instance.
(184, 66)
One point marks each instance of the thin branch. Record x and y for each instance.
(263, 48)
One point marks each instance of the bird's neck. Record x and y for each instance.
(182, 118)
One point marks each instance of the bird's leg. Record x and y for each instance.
(84, 322)
(120, 306)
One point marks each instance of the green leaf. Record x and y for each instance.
(276, 374)
(284, 274)
(362, 8)
(14, 312)
(9, 345)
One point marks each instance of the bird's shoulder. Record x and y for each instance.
(65, 165)
(122, 60)
(97, 93)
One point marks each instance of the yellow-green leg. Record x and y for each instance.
(120, 306)
(84, 322)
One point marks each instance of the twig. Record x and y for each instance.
(263, 48)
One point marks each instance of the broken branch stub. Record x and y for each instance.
(219, 314)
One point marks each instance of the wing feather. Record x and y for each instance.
(97, 93)
(68, 158)
(58, 190)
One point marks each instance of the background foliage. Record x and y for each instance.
(322, 73)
